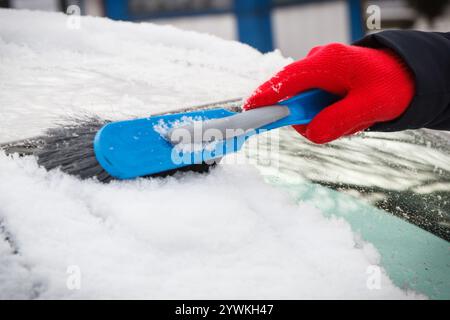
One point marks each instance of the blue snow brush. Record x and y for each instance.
(166, 143)
(162, 144)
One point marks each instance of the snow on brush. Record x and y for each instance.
(226, 234)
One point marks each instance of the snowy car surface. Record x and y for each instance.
(240, 231)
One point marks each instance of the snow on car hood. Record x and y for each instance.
(226, 234)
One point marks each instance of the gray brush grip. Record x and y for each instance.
(228, 127)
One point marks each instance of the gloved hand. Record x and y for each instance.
(374, 83)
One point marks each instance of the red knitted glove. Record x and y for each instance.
(375, 84)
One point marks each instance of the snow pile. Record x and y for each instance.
(113, 69)
(223, 235)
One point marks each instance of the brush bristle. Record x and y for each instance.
(70, 148)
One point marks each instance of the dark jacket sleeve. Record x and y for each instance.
(428, 56)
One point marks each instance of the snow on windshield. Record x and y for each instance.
(226, 234)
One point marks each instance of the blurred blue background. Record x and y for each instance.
(293, 26)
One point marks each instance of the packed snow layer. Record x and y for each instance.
(113, 69)
(226, 234)
(222, 235)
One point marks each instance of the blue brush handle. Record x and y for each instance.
(300, 109)
(303, 108)
(134, 148)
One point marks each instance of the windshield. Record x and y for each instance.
(406, 174)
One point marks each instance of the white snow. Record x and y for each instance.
(226, 234)
(114, 69)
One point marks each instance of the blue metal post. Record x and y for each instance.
(356, 20)
(255, 23)
(117, 9)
